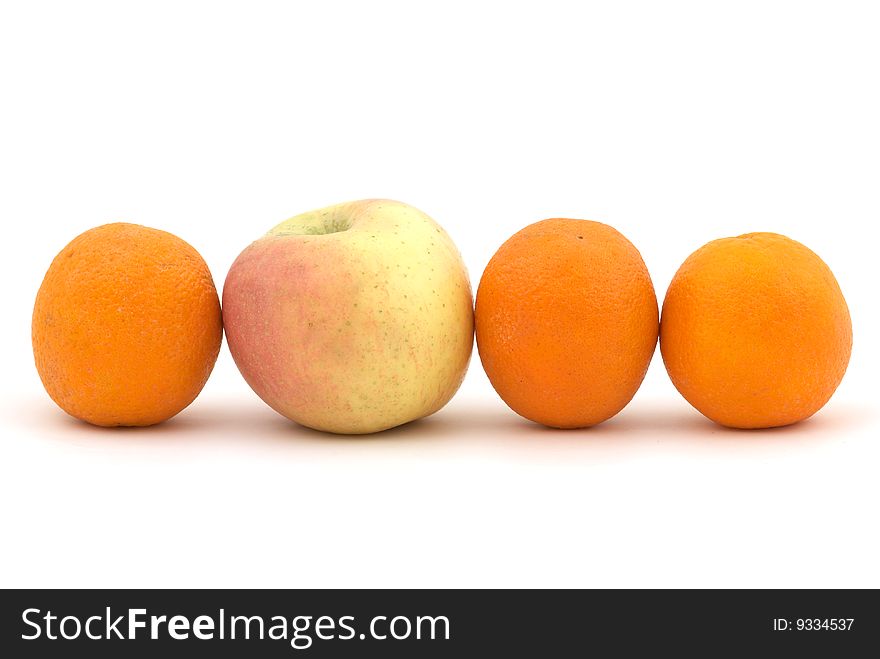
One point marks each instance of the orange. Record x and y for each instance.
(755, 332)
(566, 322)
(126, 326)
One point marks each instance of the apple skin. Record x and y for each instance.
(351, 319)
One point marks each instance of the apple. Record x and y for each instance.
(351, 319)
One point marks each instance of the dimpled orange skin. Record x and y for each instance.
(126, 326)
(566, 322)
(755, 332)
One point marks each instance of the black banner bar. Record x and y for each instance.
(438, 623)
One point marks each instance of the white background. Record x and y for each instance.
(676, 123)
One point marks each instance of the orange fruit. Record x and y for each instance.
(755, 332)
(566, 322)
(126, 326)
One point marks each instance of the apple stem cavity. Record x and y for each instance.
(315, 223)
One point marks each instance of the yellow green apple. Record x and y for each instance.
(351, 319)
